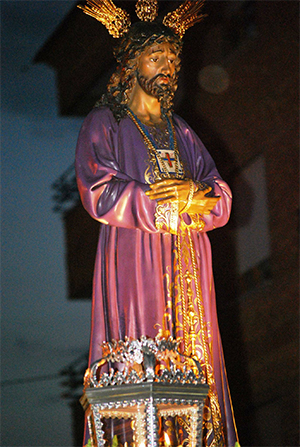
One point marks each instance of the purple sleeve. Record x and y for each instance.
(220, 214)
(108, 194)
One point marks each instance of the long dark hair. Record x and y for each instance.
(140, 36)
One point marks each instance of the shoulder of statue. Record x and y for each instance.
(100, 118)
(103, 112)
(180, 122)
(186, 133)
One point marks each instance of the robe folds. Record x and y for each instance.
(137, 271)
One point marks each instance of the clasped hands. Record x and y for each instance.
(175, 190)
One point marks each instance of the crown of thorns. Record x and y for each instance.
(117, 21)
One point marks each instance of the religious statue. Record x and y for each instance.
(144, 174)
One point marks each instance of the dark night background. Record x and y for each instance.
(42, 332)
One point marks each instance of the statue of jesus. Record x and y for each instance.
(144, 174)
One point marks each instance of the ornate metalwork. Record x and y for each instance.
(157, 401)
(146, 10)
(144, 360)
(117, 20)
(152, 423)
(185, 16)
(154, 381)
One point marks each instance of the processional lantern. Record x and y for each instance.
(145, 382)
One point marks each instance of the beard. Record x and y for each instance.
(164, 93)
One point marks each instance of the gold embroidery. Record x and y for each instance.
(148, 173)
(164, 329)
(182, 296)
(174, 214)
(197, 333)
(161, 217)
(197, 222)
(215, 406)
(185, 295)
(166, 217)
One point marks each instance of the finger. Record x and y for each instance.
(152, 193)
(214, 200)
(162, 188)
(160, 184)
(161, 195)
(180, 189)
(207, 190)
(209, 206)
(166, 183)
(166, 190)
(203, 192)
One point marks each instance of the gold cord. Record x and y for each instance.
(181, 288)
(153, 150)
(215, 406)
(189, 198)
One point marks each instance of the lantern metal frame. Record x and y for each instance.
(142, 392)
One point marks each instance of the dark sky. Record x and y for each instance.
(42, 332)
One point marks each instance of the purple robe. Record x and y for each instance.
(135, 261)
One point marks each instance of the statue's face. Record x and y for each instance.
(157, 69)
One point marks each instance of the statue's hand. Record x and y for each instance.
(172, 190)
(169, 190)
(203, 205)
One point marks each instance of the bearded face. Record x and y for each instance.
(156, 72)
(160, 86)
(153, 69)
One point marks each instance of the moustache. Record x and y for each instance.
(160, 75)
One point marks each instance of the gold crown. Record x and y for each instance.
(117, 21)
(185, 16)
(146, 10)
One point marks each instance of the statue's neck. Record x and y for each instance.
(145, 107)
